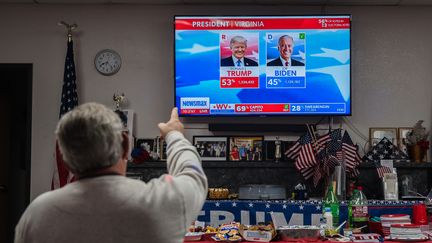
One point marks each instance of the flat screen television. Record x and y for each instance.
(263, 65)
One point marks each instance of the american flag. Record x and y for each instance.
(318, 173)
(383, 169)
(307, 172)
(385, 149)
(69, 100)
(322, 141)
(335, 144)
(306, 157)
(293, 152)
(351, 156)
(330, 163)
(332, 136)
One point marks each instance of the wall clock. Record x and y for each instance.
(107, 62)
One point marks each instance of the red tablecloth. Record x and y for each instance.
(327, 241)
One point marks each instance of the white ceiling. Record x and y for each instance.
(260, 2)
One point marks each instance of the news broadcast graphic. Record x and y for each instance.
(263, 65)
(239, 60)
(281, 73)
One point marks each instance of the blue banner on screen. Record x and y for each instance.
(269, 65)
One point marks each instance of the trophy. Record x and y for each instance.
(118, 100)
(278, 150)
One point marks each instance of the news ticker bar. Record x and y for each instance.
(299, 108)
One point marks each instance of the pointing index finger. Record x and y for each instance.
(174, 114)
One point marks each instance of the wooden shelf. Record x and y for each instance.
(221, 164)
(413, 165)
(268, 164)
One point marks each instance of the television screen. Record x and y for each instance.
(263, 65)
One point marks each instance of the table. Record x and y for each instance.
(327, 241)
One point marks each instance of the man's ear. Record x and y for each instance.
(125, 145)
(59, 155)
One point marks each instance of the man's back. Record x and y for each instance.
(110, 209)
(113, 208)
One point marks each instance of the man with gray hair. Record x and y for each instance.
(238, 45)
(285, 48)
(105, 206)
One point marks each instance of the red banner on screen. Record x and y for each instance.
(194, 111)
(246, 108)
(262, 23)
(239, 82)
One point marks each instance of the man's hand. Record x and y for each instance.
(173, 124)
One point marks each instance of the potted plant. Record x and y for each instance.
(417, 142)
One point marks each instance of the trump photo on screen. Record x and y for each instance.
(239, 50)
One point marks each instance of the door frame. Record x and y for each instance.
(20, 142)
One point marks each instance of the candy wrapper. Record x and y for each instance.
(228, 232)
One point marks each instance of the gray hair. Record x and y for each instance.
(90, 138)
(285, 37)
(238, 39)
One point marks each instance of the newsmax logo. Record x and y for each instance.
(194, 103)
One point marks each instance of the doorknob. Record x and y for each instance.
(3, 188)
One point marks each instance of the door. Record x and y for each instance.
(4, 161)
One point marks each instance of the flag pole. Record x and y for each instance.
(69, 99)
(69, 27)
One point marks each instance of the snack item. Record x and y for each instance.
(228, 232)
(259, 233)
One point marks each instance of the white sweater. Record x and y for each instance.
(114, 208)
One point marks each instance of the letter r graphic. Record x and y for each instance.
(223, 37)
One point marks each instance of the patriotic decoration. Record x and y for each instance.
(293, 212)
(351, 156)
(69, 100)
(385, 150)
(317, 158)
(381, 170)
(306, 157)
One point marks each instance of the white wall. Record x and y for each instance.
(391, 59)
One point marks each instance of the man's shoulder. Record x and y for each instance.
(250, 62)
(275, 62)
(227, 61)
(296, 63)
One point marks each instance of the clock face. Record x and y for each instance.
(107, 62)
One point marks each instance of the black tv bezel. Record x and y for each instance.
(263, 115)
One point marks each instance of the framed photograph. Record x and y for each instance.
(402, 138)
(127, 118)
(145, 143)
(270, 150)
(161, 147)
(211, 148)
(246, 148)
(376, 134)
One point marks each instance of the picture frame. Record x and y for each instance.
(161, 148)
(246, 148)
(270, 146)
(376, 134)
(211, 148)
(127, 119)
(402, 138)
(145, 143)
